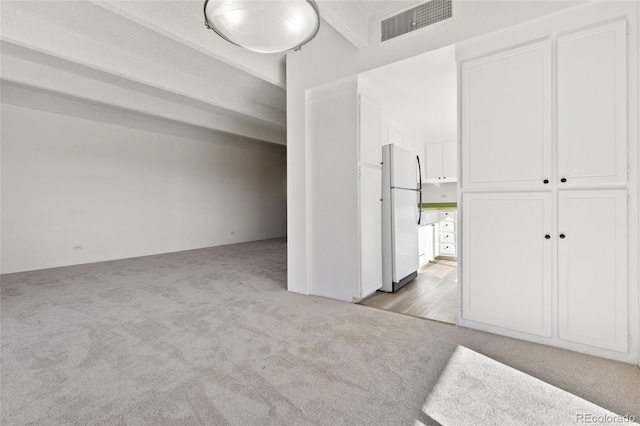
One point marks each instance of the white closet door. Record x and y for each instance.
(592, 105)
(506, 118)
(370, 124)
(370, 230)
(433, 153)
(507, 261)
(592, 261)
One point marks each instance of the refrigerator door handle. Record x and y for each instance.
(419, 189)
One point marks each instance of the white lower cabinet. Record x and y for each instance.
(447, 233)
(508, 264)
(426, 235)
(507, 268)
(447, 238)
(447, 249)
(592, 268)
(447, 226)
(370, 220)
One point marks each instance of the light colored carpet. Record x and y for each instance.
(212, 337)
(476, 390)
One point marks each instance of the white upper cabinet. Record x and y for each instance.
(441, 162)
(507, 264)
(592, 105)
(450, 161)
(506, 118)
(392, 135)
(417, 148)
(592, 262)
(370, 128)
(433, 153)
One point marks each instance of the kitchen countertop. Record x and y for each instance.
(438, 206)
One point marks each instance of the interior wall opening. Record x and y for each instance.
(418, 102)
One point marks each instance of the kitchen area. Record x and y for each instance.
(433, 293)
(419, 123)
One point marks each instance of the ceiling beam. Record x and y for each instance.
(40, 78)
(27, 37)
(180, 27)
(348, 19)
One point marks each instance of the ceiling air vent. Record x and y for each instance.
(413, 19)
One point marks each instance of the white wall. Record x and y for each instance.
(390, 120)
(440, 193)
(121, 192)
(421, 92)
(334, 58)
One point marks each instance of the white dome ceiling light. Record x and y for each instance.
(265, 26)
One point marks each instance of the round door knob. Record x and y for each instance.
(563, 180)
(562, 236)
(547, 236)
(546, 181)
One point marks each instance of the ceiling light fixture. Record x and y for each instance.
(265, 26)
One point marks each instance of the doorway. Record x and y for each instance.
(419, 114)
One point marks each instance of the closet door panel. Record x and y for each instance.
(507, 260)
(592, 262)
(592, 105)
(506, 118)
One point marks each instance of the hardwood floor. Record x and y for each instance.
(432, 295)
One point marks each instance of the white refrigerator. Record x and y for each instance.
(401, 198)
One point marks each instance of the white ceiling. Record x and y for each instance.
(420, 92)
(157, 57)
(382, 8)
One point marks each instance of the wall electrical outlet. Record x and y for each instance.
(77, 247)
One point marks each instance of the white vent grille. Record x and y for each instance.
(416, 18)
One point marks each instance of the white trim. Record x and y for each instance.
(576, 347)
(308, 285)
